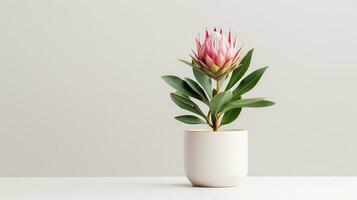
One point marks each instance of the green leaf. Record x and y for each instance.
(204, 80)
(190, 119)
(213, 119)
(196, 87)
(254, 102)
(249, 82)
(183, 95)
(181, 86)
(186, 104)
(231, 115)
(214, 92)
(183, 98)
(218, 101)
(240, 71)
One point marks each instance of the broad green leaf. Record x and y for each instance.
(240, 71)
(190, 119)
(231, 115)
(181, 86)
(249, 82)
(186, 104)
(179, 93)
(183, 98)
(220, 100)
(204, 80)
(196, 87)
(213, 119)
(254, 102)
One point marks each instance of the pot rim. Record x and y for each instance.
(221, 131)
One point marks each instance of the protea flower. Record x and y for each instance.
(217, 55)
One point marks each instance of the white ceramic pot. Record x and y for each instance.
(216, 159)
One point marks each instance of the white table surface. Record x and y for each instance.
(156, 188)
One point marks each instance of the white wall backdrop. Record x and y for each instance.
(81, 93)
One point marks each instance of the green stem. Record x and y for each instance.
(218, 86)
(216, 117)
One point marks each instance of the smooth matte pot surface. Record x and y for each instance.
(216, 159)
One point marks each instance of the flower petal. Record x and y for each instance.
(230, 37)
(223, 69)
(203, 65)
(209, 62)
(220, 60)
(195, 54)
(214, 68)
(207, 35)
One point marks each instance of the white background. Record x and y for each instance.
(81, 94)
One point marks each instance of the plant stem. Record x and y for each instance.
(216, 122)
(218, 86)
(215, 125)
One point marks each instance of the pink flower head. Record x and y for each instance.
(217, 55)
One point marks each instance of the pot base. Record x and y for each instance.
(215, 185)
(216, 159)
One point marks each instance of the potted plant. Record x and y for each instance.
(216, 157)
